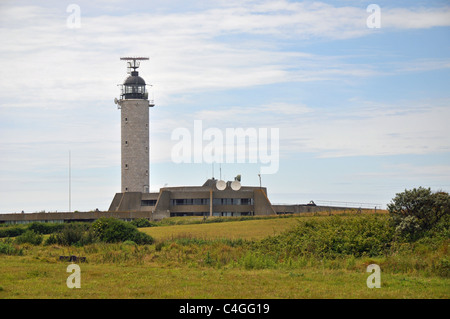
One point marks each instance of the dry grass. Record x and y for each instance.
(21, 277)
(248, 230)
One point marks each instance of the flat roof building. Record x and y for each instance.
(213, 198)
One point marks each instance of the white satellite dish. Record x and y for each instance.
(116, 100)
(235, 185)
(221, 185)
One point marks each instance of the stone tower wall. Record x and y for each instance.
(135, 145)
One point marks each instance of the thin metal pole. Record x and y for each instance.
(70, 183)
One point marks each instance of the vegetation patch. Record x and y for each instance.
(294, 256)
(108, 230)
(332, 237)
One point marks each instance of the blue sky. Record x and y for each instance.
(362, 113)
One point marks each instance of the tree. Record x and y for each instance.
(417, 210)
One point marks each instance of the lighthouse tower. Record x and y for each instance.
(135, 143)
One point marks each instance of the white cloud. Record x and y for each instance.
(411, 171)
(415, 18)
(414, 129)
(187, 53)
(366, 129)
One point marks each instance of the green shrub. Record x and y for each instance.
(7, 248)
(252, 260)
(160, 245)
(52, 240)
(442, 268)
(87, 238)
(332, 237)
(141, 238)
(415, 211)
(441, 230)
(71, 234)
(13, 231)
(112, 230)
(409, 228)
(109, 230)
(141, 222)
(29, 237)
(45, 228)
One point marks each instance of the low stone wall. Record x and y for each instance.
(69, 217)
(19, 218)
(298, 209)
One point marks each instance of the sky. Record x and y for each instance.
(358, 95)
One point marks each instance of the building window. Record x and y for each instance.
(189, 201)
(189, 214)
(148, 202)
(126, 166)
(232, 201)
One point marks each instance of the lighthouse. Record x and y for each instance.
(213, 198)
(135, 141)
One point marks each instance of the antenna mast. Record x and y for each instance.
(135, 64)
(70, 183)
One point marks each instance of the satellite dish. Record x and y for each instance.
(235, 185)
(116, 100)
(221, 185)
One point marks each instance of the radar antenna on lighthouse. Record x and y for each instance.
(136, 86)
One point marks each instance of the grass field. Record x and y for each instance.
(219, 260)
(248, 230)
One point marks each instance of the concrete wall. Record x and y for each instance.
(297, 209)
(162, 205)
(262, 204)
(260, 207)
(129, 201)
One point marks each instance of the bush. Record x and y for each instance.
(415, 211)
(109, 230)
(52, 240)
(331, 237)
(442, 268)
(112, 230)
(141, 222)
(45, 228)
(13, 231)
(8, 249)
(29, 237)
(71, 234)
(141, 238)
(409, 227)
